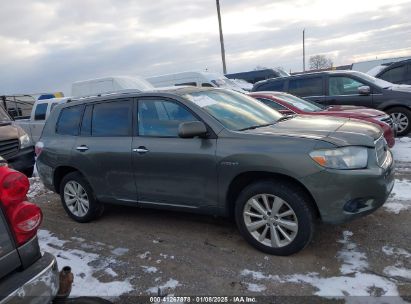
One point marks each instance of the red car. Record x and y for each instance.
(288, 104)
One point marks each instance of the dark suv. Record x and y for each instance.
(26, 276)
(348, 88)
(217, 152)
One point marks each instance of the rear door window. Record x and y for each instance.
(69, 120)
(111, 119)
(305, 87)
(40, 112)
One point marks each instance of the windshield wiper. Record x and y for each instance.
(257, 126)
(285, 117)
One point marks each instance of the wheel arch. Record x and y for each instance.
(59, 173)
(244, 179)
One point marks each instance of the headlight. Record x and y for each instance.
(342, 158)
(24, 141)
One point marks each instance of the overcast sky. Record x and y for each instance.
(48, 44)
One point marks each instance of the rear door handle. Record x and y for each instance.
(140, 150)
(82, 148)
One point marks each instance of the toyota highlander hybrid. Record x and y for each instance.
(219, 152)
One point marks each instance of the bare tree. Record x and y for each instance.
(318, 62)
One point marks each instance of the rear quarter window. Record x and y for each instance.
(69, 120)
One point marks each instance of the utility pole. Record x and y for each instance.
(303, 50)
(221, 37)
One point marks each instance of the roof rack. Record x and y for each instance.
(119, 92)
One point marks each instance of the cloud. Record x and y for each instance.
(48, 44)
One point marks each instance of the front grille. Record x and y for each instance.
(9, 148)
(381, 150)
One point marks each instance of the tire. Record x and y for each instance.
(28, 172)
(402, 117)
(294, 205)
(78, 198)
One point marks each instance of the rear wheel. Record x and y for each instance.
(402, 119)
(78, 198)
(275, 217)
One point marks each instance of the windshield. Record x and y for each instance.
(233, 110)
(3, 115)
(281, 72)
(299, 103)
(378, 82)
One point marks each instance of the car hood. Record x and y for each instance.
(8, 131)
(338, 131)
(352, 111)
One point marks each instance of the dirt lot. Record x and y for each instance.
(133, 251)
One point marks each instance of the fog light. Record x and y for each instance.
(358, 204)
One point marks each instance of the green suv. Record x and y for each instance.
(216, 152)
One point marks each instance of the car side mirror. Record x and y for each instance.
(364, 90)
(192, 129)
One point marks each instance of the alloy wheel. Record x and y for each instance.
(76, 199)
(400, 120)
(270, 220)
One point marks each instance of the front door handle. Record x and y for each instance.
(82, 148)
(140, 150)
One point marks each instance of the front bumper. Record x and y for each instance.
(36, 284)
(333, 189)
(23, 160)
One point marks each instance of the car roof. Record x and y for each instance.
(164, 92)
(302, 75)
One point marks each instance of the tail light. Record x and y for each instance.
(38, 148)
(24, 217)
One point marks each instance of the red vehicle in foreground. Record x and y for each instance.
(288, 104)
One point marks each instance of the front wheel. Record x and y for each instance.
(78, 198)
(275, 217)
(401, 118)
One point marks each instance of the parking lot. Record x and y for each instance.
(133, 251)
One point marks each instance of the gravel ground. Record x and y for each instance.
(132, 252)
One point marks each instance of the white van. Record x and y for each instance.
(104, 85)
(199, 79)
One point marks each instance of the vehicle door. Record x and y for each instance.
(169, 170)
(103, 150)
(310, 88)
(344, 90)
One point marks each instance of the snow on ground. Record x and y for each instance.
(402, 149)
(255, 287)
(400, 198)
(171, 284)
(36, 188)
(149, 269)
(355, 279)
(85, 283)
